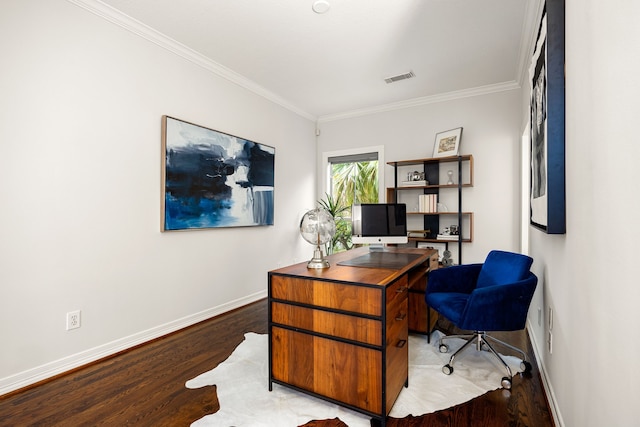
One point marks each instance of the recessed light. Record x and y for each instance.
(320, 6)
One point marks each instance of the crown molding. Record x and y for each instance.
(138, 28)
(416, 102)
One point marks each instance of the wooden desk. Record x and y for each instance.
(341, 333)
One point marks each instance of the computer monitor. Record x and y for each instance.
(379, 223)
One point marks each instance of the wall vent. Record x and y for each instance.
(399, 77)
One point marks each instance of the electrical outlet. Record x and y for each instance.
(73, 320)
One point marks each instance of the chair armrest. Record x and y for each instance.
(458, 278)
(499, 307)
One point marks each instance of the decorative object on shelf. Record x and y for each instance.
(547, 201)
(415, 176)
(448, 234)
(317, 227)
(418, 233)
(454, 230)
(450, 175)
(212, 179)
(446, 261)
(442, 207)
(447, 143)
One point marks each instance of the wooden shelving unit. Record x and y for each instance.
(432, 172)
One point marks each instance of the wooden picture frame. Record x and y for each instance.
(211, 179)
(547, 199)
(447, 143)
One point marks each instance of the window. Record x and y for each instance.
(351, 177)
(354, 179)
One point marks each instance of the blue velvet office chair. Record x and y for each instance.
(492, 296)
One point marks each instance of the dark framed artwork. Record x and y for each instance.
(547, 107)
(212, 179)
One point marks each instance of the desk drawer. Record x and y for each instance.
(346, 297)
(397, 291)
(397, 350)
(353, 328)
(397, 322)
(337, 370)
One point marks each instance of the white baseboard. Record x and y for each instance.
(49, 370)
(546, 383)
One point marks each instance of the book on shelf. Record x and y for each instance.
(428, 203)
(447, 237)
(418, 233)
(414, 183)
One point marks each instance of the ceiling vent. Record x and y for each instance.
(400, 77)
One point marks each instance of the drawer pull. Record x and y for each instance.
(401, 316)
(401, 343)
(401, 289)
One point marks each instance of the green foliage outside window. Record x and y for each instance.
(355, 182)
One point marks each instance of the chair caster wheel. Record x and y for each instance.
(447, 369)
(525, 366)
(506, 383)
(443, 348)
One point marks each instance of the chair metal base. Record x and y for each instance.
(481, 338)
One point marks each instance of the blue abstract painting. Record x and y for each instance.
(213, 179)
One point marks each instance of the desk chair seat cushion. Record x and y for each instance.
(450, 304)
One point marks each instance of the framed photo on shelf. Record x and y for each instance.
(447, 143)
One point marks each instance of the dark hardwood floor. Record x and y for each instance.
(144, 386)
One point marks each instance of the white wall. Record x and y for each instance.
(82, 100)
(80, 186)
(588, 276)
(490, 132)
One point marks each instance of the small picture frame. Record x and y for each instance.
(447, 143)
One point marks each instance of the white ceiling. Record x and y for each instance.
(333, 64)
